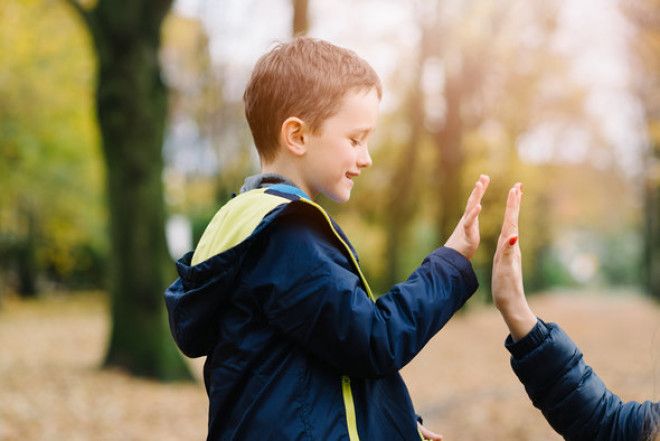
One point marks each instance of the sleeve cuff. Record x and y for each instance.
(529, 342)
(462, 264)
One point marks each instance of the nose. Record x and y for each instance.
(364, 158)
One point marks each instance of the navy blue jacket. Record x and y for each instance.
(572, 398)
(296, 349)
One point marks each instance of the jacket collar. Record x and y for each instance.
(274, 181)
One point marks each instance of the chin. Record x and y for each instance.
(339, 197)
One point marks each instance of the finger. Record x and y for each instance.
(427, 434)
(477, 192)
(508, 245)
(516, 204)
(474, 196)
(471, 217)
(511, 214)
(508, 214)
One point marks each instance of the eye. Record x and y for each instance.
(355, 142)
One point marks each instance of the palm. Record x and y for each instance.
(507, 284)
(507, 268)
(465, 238)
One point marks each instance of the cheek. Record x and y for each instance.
(350, 154)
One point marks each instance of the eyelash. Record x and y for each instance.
(355, 142)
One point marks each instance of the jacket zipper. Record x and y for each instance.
(348, 249)
(351, 422)
(347, 392)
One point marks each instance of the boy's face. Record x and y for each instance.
(339, 152)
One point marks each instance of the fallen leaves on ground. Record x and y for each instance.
(51, 386)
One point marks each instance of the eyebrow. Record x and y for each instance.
(363, 130)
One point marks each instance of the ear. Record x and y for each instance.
(293, 135)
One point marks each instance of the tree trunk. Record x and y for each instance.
(652, 217)
(400, 204)
(450, 160)
(300, 17)
(26, 257)
(131, 104)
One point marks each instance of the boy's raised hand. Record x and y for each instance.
(507, 283)
(427, 434)
(465, 238)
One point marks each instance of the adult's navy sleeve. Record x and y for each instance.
(571, 396)
(309, 292)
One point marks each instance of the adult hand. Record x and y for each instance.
(465, 238)
(427, 434)
(507, 282)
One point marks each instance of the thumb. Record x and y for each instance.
(472, 216)
(507, 245)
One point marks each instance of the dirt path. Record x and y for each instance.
(51, 389)
(463, 385)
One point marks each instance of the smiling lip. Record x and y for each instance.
(350, 175)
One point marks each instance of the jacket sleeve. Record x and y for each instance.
(308, 292)
(571, 396)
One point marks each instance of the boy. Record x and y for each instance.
(297, 345)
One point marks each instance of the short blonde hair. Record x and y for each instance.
(306, 78)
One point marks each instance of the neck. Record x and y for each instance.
(288, 171)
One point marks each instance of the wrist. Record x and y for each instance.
(509, 305)
(529, 342)
(460, 250)
(519, 318)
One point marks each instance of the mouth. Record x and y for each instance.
(351, 175)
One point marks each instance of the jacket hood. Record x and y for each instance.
(195, 300)
(196, 296)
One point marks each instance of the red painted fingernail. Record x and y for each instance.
(513, 240)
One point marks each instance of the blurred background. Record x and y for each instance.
(122, 133)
